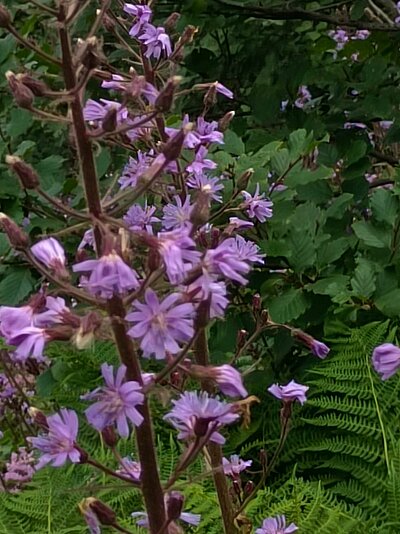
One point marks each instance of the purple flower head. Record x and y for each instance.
(117, 402)
(238, 224)
(20, 467)
(207, 132)
(361, 35)
(109, 275)
(223, 260)
(178, 215)
(50, 253)
(386, 360)
(350, 125)
(117, 82)
(200, 163)
(276, 525)
(87, 240)
(29, 343)
(178, 251)
(246, 250)
(142, 14)
(319, 349)
(156, 41)
(193, 410)
(161, 326)
(229, 381)
(290, 393)
(340, 37)
(96, 111)
(303, 96)
(12, 320)
(257, 206)
(140, 218)
(58, 445)
(235, 465)
(206, 288)
(208, 186)
(91, 520)
(135, 168)
(56, 312)
(223, 90)
(186, 517)
(130, 468)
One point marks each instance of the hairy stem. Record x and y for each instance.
(214, 450)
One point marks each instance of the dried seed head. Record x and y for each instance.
(27, 175)
(17, 237)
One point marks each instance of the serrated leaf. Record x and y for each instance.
(299, 142)
(280, 161)
(303, 252)
(233, 144)
(300, 176)
(15, 286)
(288, 306)
(363, 281)
(330, 286)
(384, 206)
(371, 235)
(339, 206)
(49, 170)
(389, 304)
(20, 121)
(331, 251)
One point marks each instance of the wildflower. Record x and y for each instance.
(186, 517)
(229, 381)
(361, 35)
(20, 467)
(206, 288)
(237, 224)
(340, 36)
(13, 320)
(161, 326)
(135, 168)
(59, 445)
(257, 206)
(178, 215)
(223, 90)
(194, 412)
(87, 240)
(290, 393)
(200, 162)
(109, 275)
(235, 465)
(156, 41)
(178, 251)
(50, 253)
(130, 468)
(117, 83)
(386, 360)
(29, 343)
(140, 218)
(57, 312)
(319, 349)
(246, 250)
(207, 132)
(208, 186)
(303, 96)
(142, 14)
(276, 525)
(96, 111)
(223, 260)
(117, 402)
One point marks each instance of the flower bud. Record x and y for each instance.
(241, 338)
(244, 179)
(171, 22)
(37, 87)
(201, 210)
(249, 487)
(165, 98)
(109, 122)
(223, 124)
(175, 502)
(210, 98)
(104, 513)
(173, 147)
(256, 303)
(187, 36)
(38, 417)
(27, 175)
(89, 53)
(5, 17)
(109, 437)
(23, 96)
(17, 237)
(85, 335)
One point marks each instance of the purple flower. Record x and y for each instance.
(207, 132)
(386, 360)
(178, 251)
(117, 402)
(303, 96)
(235, 465)
(340, 37)
(20, 467)
(194, 412)
(59, 445)
(161, 326)
(237, 224)
(290, 393)
(134, 169)
(130, 468)
(95, 111)
(91, 520)
(110, 275)
(57, 312)
(246, 250)
(87, 240)
(186, 517)
(117, 82)
(223, 260)
(142, 14)
(223, 90)
(257, 206)
(206, 288)
(276, 525)
(350, 125)
(229, 381)
(29, 343)
(156, 41)
(319, 349)
(200, 163)
(209, 186)
(178, 215)
(140, 218)
(361, 35)
(12, 320)
(50, 253)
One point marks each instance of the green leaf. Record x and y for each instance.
(389, 304)
(330, 286)
(363, 281)
(299, 143)
(49, 170)
(45, 384)
(305, 176)
(20, 122)
(288, 306)
(339, 206)
(303, 252)
(356, 151)
(384, 206)
(15, 286)
(103, 160)
(371, 235)
(331, 251)
(233, 144)
(281, 160)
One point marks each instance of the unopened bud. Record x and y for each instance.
(171, 22)
(165, 99)
(38, 417)
(109, 122)
(23, 96)
(201, 210)
(173, 147)
(37, 87)
(210, 98)
(175, 502)
(17, 237)
(256, 303)
(109, 436)
(5, 17)
(244, 179)
(27, 175)
(241, 338)
(104, 513)
(188, 34)
(89, 53)
(223, 124)
(249, 487)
